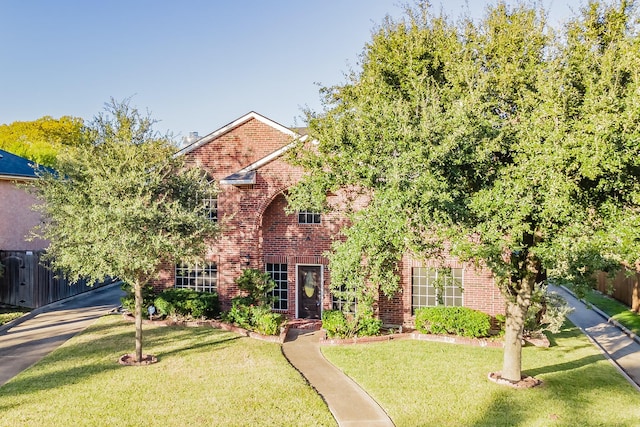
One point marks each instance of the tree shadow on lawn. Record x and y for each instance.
(99, 354)
(566, 398)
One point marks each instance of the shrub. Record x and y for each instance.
(253, 310)
(239, 314)
(258, 285)
(341, 325)
(257, 318)
(187, 303)
(461, 321)
(264, 321)
(129, 301)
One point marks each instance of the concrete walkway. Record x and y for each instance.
(349, 404)
(28, 339)
(622, 349)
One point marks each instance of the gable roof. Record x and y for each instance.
(247, 175)
(234, 124)
(16, 167)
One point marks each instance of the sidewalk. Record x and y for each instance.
(349, 404)
(28, 339)
(620, 348)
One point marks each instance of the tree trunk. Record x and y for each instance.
(138, 314)
(514, 327)
(517, 308)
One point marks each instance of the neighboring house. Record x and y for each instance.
(246, 160)
(16, 216)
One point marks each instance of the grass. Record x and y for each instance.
(436, 384)
(617, 310)
(9, 314)
(203, 377)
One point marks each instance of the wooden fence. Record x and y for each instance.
(28, 282)
(625, 286)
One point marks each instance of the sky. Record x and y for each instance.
(194, 65)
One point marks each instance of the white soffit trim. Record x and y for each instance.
(217, 133)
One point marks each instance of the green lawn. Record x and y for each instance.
(436, 384)
(204, 377)
(9, 314)
(617, 310)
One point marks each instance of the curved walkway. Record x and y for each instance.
(349, 404)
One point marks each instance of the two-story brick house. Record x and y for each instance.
(246, 160)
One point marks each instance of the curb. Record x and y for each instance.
(605, 316)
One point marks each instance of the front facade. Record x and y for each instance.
(246, 160)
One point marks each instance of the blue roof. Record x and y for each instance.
(15, 166)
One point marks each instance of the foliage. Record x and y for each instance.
(252, 311)
(122, 204)
(7, 315)
(264, 321)
(257, 318)
(339, 324)
(515, 144)
(129, 300)
(41, 140)
(197, 366)
(460, 321)
(547, 312)
(257, 285)
(187, 303)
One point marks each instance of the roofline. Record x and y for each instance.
(230, 126)
(9, 177)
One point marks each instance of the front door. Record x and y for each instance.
(309, 291)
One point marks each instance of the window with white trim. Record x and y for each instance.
(202, 277)
(278, 273)
(436, 286)
(210, 207)
(306, 217)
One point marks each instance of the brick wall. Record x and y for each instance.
(256, 229)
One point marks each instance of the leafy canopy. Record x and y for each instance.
(121, 203)
(41, 140)
(500, 141)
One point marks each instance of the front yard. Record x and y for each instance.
(437, 384)
(204, 377)
(210, 377)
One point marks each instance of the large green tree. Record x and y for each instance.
(500, 141)
(40, 140)
(122, 203)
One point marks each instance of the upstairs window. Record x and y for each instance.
(306, 217)
(210, 207)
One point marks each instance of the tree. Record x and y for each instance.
(40, 140)
(122, 203)
(500, 142)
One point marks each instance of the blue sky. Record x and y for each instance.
(195, 65)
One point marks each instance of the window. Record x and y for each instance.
(201, 277)
(343, 300)
(278, 273)
(210, 207)
(305, 217)
(431, 287)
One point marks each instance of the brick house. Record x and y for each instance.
(245, 158)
